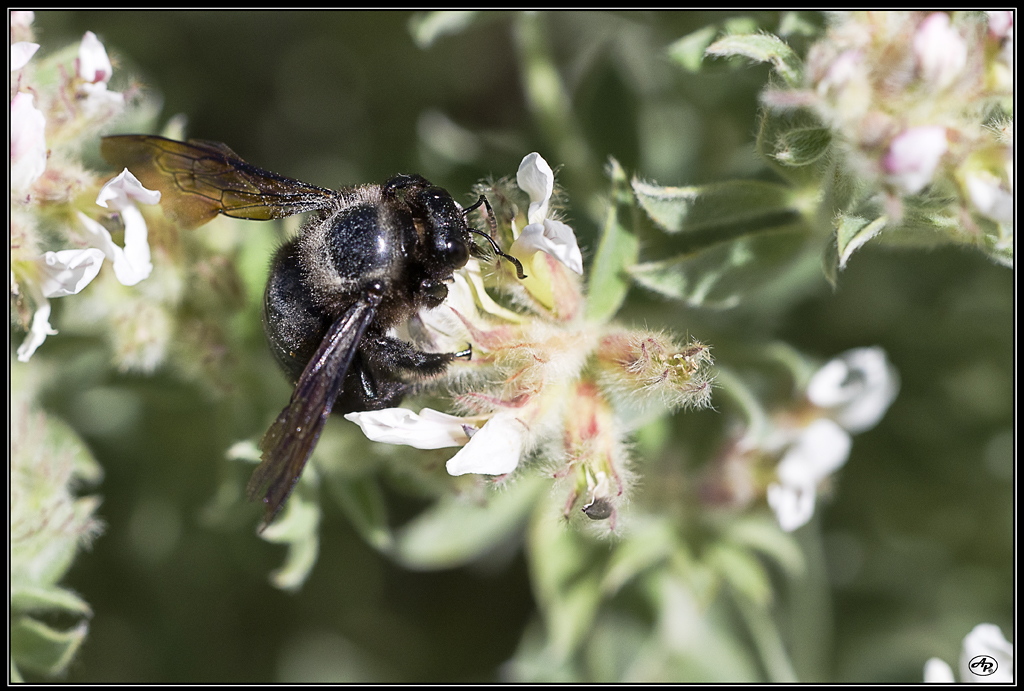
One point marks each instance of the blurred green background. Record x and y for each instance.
(917, 542)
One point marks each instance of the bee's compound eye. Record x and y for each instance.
(458, 253)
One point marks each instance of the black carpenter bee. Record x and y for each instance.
(369, 259)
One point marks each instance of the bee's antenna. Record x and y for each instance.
(494, 229)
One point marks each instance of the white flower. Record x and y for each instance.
(94, 68)
(543, 234)
(67, 272)
(1000, 23)
(495, 449)
(429, 429)
(984, 640)
(61, 273)
(989, 197)
(821, 449)
(39, 330)
(28, 142)
(914, 155)
(857, 387)
(22, 18)
(92, 64)
(941, 52)
(131, 264)
(842, 70)
(21, 53)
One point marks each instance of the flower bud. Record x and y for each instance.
(649, 365)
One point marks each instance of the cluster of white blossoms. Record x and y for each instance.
(542, 378)
(789, 458)
(917, 100)
(46, 178)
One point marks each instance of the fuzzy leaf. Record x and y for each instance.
(803, 145)
(455, 531)
(29, 598)
(742, 571)
(852, 232)
(761, 47)
(570, 617)
(765, 536)
(648, 543)
(298, 527)
(688, 51)
(426, 28)
(718, 205)
(363, 502)
(38, 648)
(721, 276)
(616, 253)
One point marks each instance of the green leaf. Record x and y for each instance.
(363, 502)
(742, 571)
(688, 51)
(299, 528)
(41, 649)
(427, 27)
(31, 598)
(762, 47)
(649, 541)
(617, 251)
(557, 554)
(721, 276)
(570, 617)
(852, 232)
(765, 536)
(802, 146)
(455, 531)
(687, 209)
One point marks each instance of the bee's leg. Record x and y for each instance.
(395, 355)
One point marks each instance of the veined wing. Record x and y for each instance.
(200, 179)
(290, 441)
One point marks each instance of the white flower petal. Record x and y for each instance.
(129, 269)
(859, 386)
(99, 101)
(914, 155)
(989, 197)
(941, 51)
(429, 429)
(28, 142)
(1000, 23)
(99, 237)
(136, 265)
(821, 449)
(494, 450)
(93, 64)
(793, 506)
(38, 332)
(987, 639)
(67, 272)
(123, 191)
(21, 53)
(554, 238)
(536, 178)
(938, 672)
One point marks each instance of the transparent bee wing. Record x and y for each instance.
(290, 441)
(200, 179)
